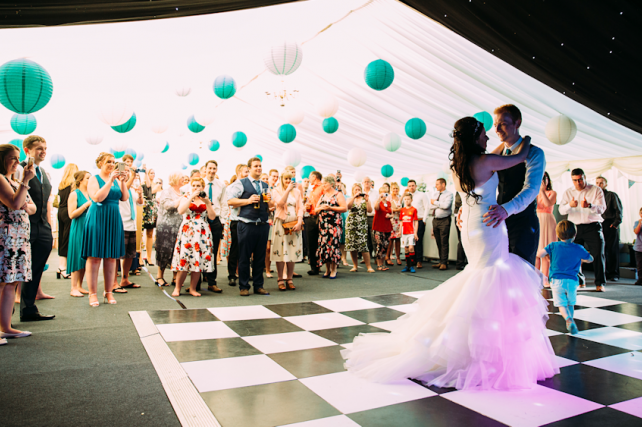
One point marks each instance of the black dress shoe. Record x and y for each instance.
(313, 273)
(296, 275)
(35, 317)
(232, 282)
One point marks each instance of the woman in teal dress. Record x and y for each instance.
(77, 206)
(104, 238)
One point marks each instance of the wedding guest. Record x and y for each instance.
(242, 171)
(382, 227)
(395, 237)
(150, 211)
(311, 220)
(304, 187)
(215, 190)
(167, 226)
(357, 227)
(273, 177)
(584, 204)
(341, 187)
(287, 239)
(329, 208)
(65, 188)
(373, 195)
(410, 225)
(419, 202)
(611, 227)
(226, 240)
(546, 200)
(187, 187)
(461, 254)
(637, 247)
(78, 204)
(15, 248)
(441, 210)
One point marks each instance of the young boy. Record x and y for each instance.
(566, 258)
(409, 227)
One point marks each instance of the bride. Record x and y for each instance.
(485, 327)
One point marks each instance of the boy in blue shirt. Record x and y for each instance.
(566, 259)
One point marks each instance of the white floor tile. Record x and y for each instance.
(633, 407)
(535, 407)
(550, 333)
(316, 322)
(349, 394)
(291, 341)
(347, 304)
(629, 364)
(349, 345)
(195, 331)
(605, 317)
(388, 325)
(235, 372)
(405, 308)
(562, 362)
(589, 301)
(416, 294)
(338, 421)
(250, 312)
(617, 337)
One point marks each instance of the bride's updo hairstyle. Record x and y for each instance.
(465, 136)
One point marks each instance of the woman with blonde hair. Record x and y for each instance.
(329, 208)
(150, 211)
(64, 221)
(359, 207)
(79, 202)
(167, 225)
(395, 236)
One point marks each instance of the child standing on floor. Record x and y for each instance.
(409, 228)
(566, 258)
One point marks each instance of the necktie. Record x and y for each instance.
(131, 205)
(210, 191)
(257, 186)
(508, 152)
(38, 173)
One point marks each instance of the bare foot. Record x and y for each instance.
(268, 275)
(76, 293)
(354, 269)
(17, 301)
(43, 296)
(194, 293)
(12, 331)
(82, 291)
(177, 292)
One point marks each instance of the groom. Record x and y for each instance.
(518, 187)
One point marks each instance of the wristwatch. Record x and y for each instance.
(590, 206)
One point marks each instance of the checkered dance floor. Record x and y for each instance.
(279, 364)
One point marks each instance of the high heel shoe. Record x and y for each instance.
(148, 263)
(108, 301)
(61, 273)
(93, 303)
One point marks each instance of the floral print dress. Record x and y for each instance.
(287, 247)
(329, 233)
(193, 250)
(357, 228)
(15, 249)
(396, 223)
(150, 208)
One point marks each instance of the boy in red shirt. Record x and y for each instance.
(409, 227)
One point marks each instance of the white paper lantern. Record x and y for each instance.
(205, 117)
(328, 106)
(561, 130)
(357, 157)
(120, 146)
(283, 58)
(182, 90)
(115, 112)
(294, 117)
(160, 127)
(153, 145)
(359, 175)
(94, 139)
(292, 157)
(392, 142)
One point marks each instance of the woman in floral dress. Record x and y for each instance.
(357, 227)
(193, 251)
(329, 208)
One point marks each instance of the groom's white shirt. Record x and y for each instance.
(535, 167)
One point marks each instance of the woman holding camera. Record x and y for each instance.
(193, 251)
(329, 208)
(150, 210)
(357, 227)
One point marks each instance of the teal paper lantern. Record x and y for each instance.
(140, 156)
(404, 181)
(138, 163)
(379, 74)
(330, 125)
(166, 148)
(192, 159)
(183, 167)
(25, 87)
(117, 154)
(485, 118)
(127, 126)
(239, 139)
(287, 133)
(213, 145)
(57, 161)
(224, 87)
(259, 157)
(131, 152)
(193, 125)
(387, 171)
(306, 171)
(18, 143)
(23, 124)
(415, 128)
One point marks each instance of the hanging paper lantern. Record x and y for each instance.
(306, 171)
(25, 87)
(131, 152)
(183, 166)
(160, 127)
(213, 145)
(284, 58)
(287, 133)
(239, 139)
(328, 106)
(205, 117)
(193, 125)
(404, 181)
(387, 171)
(259, 157)
(192, 159)
(485, 119)
(57, 161)
(117, 154)
(23, 124)
(224, 87)
(392, 142)
(359, 175)
(183, 91)
(357, 157)
(561, 130)
(138, 163)
(94, 139)
(292, 158)
(294, 117)
(127, 126)
(415, 128)
(115, 112)
(18, 143)
(140, 156)
(330, 125)
(379, 74)
(166, 148)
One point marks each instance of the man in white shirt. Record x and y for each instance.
(419, 202)
(215, 191)
(372, 196)
(441, 210)
(584, 204)
(128, 215)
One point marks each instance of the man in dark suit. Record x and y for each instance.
(611, 228)
(41, 238)
(215, 191)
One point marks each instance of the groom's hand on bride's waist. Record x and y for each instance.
(495, 215)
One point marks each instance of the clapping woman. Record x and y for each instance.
(330, 207)
(78, 204)
(382, 227)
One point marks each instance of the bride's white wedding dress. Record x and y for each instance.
(484, 328)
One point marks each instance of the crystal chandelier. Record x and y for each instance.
(282, 94)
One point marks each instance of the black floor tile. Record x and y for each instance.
(393, 299)
(581, 350)
(312, 362)
(602, 417)
(190, 351)
(267, 405)
(248, 328)
(627, 308)
(553, 309)
(181, 316)
(372, 315)
(346, 334)
(547, 293)
(431, 411)
(297, 309)
(635, 326)
(434, 388)
(557, 323)
(594, 384)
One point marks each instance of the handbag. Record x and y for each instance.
(289, 226)
(56, 201)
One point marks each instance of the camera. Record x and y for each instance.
(121, 167)
(140, 170)
(202, 195)
(338, 175)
